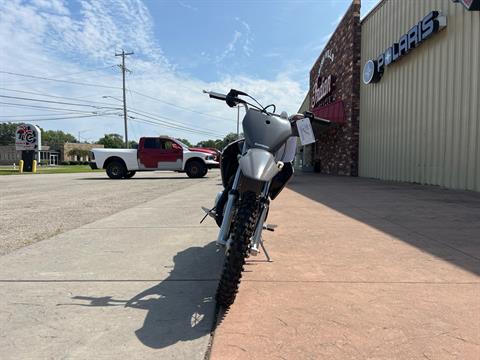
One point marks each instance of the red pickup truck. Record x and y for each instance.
(154, 153)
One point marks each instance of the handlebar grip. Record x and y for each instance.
(217, 96)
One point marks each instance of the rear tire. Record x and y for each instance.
(243, 229)
(196, 169)
(116, 170)
(130, 174)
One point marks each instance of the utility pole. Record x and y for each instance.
(123, 54)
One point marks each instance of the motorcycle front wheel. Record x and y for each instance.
(243, 229)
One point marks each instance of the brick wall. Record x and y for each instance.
(8, 155)
(336, 150)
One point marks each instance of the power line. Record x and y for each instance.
(54, 96)
(168, 124)
(45, 107)
(55, 102)
(68, 74)
(138, 112)
(60, 118)
(116, 88)
(177, 106)
(177, 125)
(150, 122)
(63, 81)
(35, 115)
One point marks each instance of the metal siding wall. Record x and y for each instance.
(421, 122)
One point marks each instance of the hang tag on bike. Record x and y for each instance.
(305, 131)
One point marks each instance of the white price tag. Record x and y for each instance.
(305, 131)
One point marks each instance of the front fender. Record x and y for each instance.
(259, 165)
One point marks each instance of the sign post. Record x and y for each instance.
(28, 141)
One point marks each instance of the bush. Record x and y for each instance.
(64, 163)
(85, 163)
(73, 163)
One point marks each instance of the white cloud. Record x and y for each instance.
(187, 6)
(230, 48)
(46, 40)
(55, 6)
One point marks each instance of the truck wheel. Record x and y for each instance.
(196, 169)
(130, 174)
(116, 170)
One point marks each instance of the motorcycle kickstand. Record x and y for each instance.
(265, 251)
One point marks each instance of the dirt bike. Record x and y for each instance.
(254, 171)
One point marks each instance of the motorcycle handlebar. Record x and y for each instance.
(215, 95)
(232, 100)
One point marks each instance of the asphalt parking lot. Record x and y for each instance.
(36, 207)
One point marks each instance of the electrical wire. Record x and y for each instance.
(144, 113)
(44, 107)
(62, 81)
(55, 96)
(150, 122)
(116, 88)
(54, 102)
(180, 128)
(35, 115)
(60, 118)
(83, 71)
(177, 125)
(179, 107)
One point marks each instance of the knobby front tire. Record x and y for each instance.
(243, 229)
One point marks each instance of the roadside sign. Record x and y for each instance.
(27, 137)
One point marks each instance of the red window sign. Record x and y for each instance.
(334, 112)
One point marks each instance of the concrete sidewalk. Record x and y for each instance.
(139, 284)
(362, 269)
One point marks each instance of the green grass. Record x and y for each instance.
(50, 170)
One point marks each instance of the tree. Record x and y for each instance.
(219, 144)
(56, 138)
(112, 141)
(229, 139)
(7, 133)
(132, 144)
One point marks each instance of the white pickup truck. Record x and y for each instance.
(154, 153)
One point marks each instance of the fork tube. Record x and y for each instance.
(227, 217)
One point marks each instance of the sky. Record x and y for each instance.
(58, 67)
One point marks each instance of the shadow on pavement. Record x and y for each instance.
(179, 308)
(444, 223)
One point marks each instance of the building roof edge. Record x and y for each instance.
(373, 10)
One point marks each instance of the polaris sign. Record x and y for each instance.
(429, 26)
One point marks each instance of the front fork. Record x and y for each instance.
(228, 212)
(228, 215)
